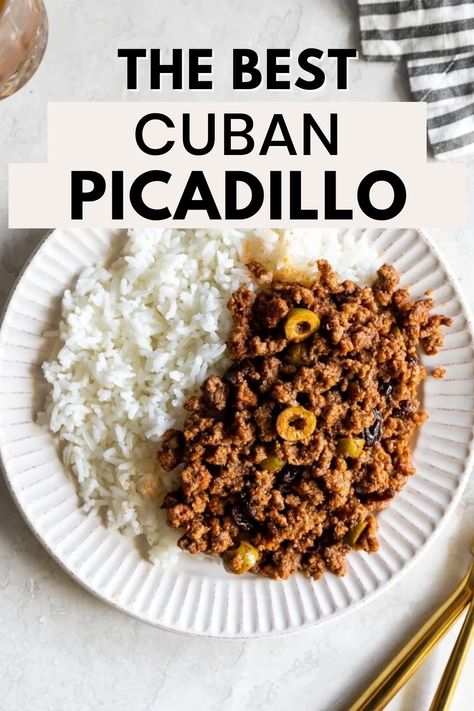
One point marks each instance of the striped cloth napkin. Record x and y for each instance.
(436, 38)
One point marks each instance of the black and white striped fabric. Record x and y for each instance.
(447, 86)
(436, 37)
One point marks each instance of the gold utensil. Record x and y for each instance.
(412, 655)
(447, 686)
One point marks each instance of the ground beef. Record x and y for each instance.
(358, 375)
(172, 450)
(215, 393)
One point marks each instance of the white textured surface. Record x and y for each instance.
(53, 634)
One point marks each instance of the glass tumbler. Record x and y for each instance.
(23, 38)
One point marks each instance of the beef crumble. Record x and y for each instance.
(290, 454)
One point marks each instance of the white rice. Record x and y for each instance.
(139, 337)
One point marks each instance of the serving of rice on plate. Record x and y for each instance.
(137, 338)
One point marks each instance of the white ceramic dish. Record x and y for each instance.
(196, 596)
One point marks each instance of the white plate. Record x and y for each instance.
(197, 596)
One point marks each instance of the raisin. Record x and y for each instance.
(373, 434)
(378, 497)
(287, 478)
(404, 410)
(242, 514)
(385, 388)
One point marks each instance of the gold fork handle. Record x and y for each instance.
(447, 686)
(411, 656)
